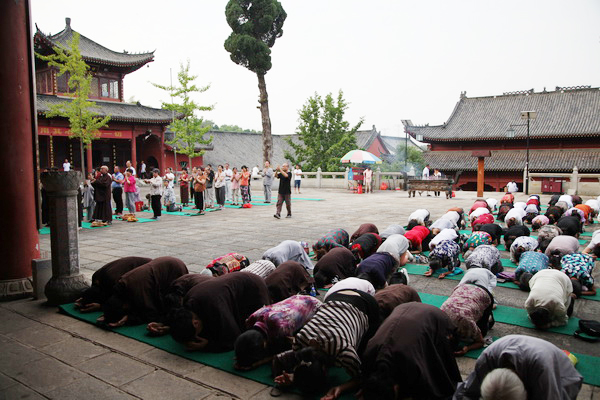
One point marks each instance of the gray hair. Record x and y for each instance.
(502, 384)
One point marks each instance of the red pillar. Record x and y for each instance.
(163, 160)
(19, 241)
(90, 165)
(134, 154)
(480, 176)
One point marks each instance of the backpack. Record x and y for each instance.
(589, 330)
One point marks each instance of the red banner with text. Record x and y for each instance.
(105, 134)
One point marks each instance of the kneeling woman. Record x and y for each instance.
(288, 279)
(338, 264)
(444, 255)
(469, 307)
(411, 356)
(214, 313)
(530, 263)
(289, 250)
(334, 336)
(550, 302)
(485, 256)
(332, 239)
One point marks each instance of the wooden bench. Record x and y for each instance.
(431, 185)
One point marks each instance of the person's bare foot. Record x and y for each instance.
(428, 272)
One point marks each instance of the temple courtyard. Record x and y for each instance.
(45, 354)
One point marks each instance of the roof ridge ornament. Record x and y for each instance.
(571, 88)
(517, 92)
(68, 22)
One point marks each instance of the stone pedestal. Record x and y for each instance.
(66, 283)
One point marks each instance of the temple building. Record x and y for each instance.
(134, 132)
(564, 134)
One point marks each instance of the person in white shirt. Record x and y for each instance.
(550, 302)
(511, 187)
(143, 170)
(297, 179)
(156, 190)
(66, 165)
(129, 166)
(170, 177)
(425, 175)
(228, 177)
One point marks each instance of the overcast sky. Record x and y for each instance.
(394, 60)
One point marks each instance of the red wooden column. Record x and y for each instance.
(134, 153)
(163, 160)
(19, 240)
(480, 154)
(90, 165)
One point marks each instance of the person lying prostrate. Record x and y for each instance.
(214, 312)
(521, 245)
(445, 234)
(483, 219)
(503, 210)
(139, 294)
(441, 224)
(338, 264)
(546, 234)
(477, 239)
(530, 263)
(514, 217)
(588, 213)
(554, 199)
(397, 247)
(377, 269)
(570, 225)
(415, 237)
(444, 255)
(478, 212)
(418, 217)
(533, 199)
(364, 228)
(393, 229)
(479, 203)
(579, 268)
(494, 230)
(539, 221)
(365, 245)
(410, 356)
(508, 198)
(560, 246)
(492, 204)
(595, 206)
(531, 211)
(335, 335)
(485, 256)
(392, 296)
(576, 212)
(262, 268)
(576, 200)
(180, 286)
(231, 262)
(551, 300)
(104, 280)
(520, 367)
(269, 329)
(352, 283)
(593, 248)
(452, 216)
(520, 204)
(469, 307)
(289, 250)
(289, 279)
(563, 205)
(512, 233)
(567, 198)
(481, 277)
(333, 238)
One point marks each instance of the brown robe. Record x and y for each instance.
(223, 304)
(339, 261)
(144, 287)
(288, 279)
(102, 194)
(107, 276)
(184, 283)
(413, 342)
(364, 228)
(390, 297)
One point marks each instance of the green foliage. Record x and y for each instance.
(256, 25)
(234, 128)
(415, 158)
(189, 129)
(84, 124)
(324, 134)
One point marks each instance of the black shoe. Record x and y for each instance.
(277, 216)
(289, 216)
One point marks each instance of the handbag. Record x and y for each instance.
(589, 330)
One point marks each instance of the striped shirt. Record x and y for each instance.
(338, 328)
(261, 268)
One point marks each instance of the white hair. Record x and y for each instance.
(502, 384)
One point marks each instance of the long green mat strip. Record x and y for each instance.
(502, 248)
(587, 366)
(420, 269)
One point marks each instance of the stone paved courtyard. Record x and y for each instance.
(44, 354)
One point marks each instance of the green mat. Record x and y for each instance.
(419, 269)
(581, 241)
(587, 366)
(222, 361)
(44, 231)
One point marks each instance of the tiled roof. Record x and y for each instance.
(586, 160)
(117, 110)
(392, 143)
(94, 52)
(561, 113)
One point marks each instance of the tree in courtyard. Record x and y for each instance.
(413, 156)
(84, 124)
(323, 133)
(189, 129)
(256, 24)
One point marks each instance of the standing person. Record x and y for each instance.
(437, 175)
(66, 165)
(143, 170)
(199, 188)
(267, 181)
(285, 191)
(425, 175)
(170, 177)
(117, 190)
(220, 187)
(101, 184)
(228, 176)
(184, 185)
(88, 197)
(130, 190)
(235, 186)
(129, 166)
(297, 178)
(156, 188)
(192, 183)
(368, 179)
(244, 182)
(511, 187)
(209, 193)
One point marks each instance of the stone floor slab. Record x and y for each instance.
(241, 387)
(171, 362)
(89, 388)
(74, 351)
(20, 392)
(115, 369)
(14, 355)
(41, 336)
(161, 385)
(45, 375)
(6, 381)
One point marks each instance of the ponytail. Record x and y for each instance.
(555, 257)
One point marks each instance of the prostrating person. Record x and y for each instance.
(288, 279)
(338, 264)
(289, 250)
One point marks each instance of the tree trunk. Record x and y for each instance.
(266, 119)
(81, 153)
